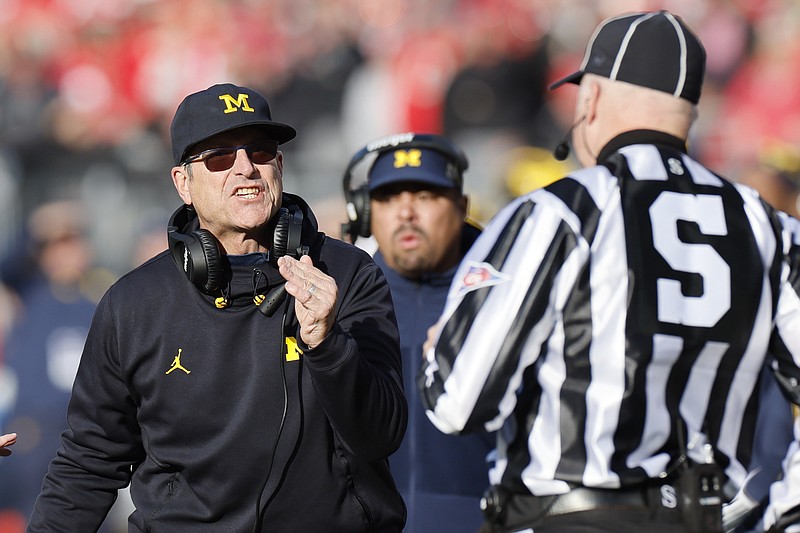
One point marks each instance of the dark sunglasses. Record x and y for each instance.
(218, 159)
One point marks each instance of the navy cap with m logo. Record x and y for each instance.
(221, 108)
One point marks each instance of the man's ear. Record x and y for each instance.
(463, 203)
(591, 99)
(181, 178)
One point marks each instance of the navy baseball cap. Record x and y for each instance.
(220, 108)
(413, 164)
(652, 49)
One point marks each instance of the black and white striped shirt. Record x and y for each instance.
(599, 321)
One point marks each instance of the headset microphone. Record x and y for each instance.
(562, 149)
(274, 298)
(277, 294)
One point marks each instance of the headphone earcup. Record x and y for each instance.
(359, 201)
(280, 239)
(195, 251)
(213, 261)
(287, 238)
(365, 229)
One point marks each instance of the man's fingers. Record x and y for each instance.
(5, 441)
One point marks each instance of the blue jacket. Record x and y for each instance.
(441, 477)
(42, 352)
(773, 434)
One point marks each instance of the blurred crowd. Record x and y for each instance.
(87, 89)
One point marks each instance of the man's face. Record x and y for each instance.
(236, 202)
(418, 227)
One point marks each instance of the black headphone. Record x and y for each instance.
(196, 251)
(358, 199)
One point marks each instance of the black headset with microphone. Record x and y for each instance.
(196, 250)
(357, 199)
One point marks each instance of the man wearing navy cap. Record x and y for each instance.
(417, 214)
(247, 379)
(613, 326)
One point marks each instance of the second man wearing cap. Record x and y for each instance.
(418, 217)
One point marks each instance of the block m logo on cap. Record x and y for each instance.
(233, 105)
(407, 158)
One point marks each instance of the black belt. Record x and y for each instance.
(663, 498)
(585, 499)
(502, 507)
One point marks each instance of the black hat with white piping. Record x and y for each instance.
(653, 49)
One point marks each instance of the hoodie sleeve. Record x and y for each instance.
(357, 369)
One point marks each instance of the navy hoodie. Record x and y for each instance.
(441, 477)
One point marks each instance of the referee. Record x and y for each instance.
(612, 326)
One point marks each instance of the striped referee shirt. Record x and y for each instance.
(602, 321)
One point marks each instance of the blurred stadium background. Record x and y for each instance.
(87, 89)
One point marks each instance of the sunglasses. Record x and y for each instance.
(219, 159)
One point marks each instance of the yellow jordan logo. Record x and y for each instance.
(176, 363)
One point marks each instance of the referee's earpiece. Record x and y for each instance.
(196, 251)
(357, 199)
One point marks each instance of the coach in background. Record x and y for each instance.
(414, 206)
(247, 379)
(613, 326)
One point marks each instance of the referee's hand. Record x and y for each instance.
(429, 342)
